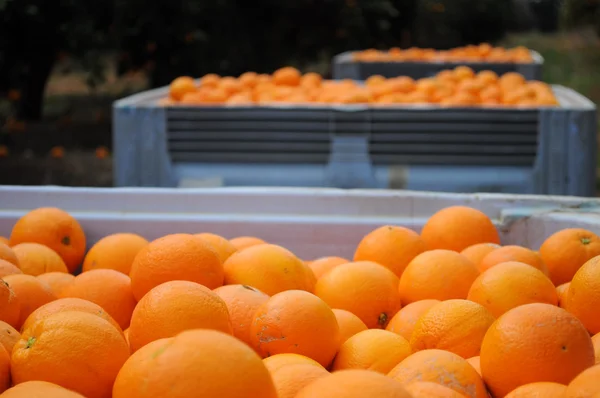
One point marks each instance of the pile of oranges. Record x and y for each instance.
(447, 312)
(459, 87)
(480, 53)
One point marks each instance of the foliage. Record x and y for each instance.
(577, 13)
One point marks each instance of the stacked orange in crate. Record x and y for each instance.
(454, 88)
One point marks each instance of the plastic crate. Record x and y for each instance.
(345, 67)
(310, 222)
(545, 151)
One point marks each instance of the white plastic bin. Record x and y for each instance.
(310, 222)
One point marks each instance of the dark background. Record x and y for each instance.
(63, 62)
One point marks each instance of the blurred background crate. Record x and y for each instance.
(546, 151)
(345, 66)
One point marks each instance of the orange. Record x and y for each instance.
(366, 289)
(277, 361)
(585, 384)
(174, 307)
(269, 268)
(403, 323)
(297, 322)
(222, 246)
(289, 380)
(8, 336)
(7, 268)
(539, 390)
(427, 389)
(354, 384)
(39, 389)
(376, 350)
(311, 79)
(583, 297)
(323, 265)
(115, 251)
(36, 259)
(210, 80)
(242, 302)
(393, 247)
(513, 253)
(181, 86)
(7, 254)
(477, 252)
(374, 80)
(248, 79)
(457, 326)
(349, 324)
(10, 305)
(440, 367)
(566, 251)
(4, 240)
(511, 80)
(54, 228)
(596, 343)
(458, 227)
(31, 293)
(68, 304)
(89, 349)
(562, 291)
(439, 275)
(487, 77)
(287, 76)
(4, 369)
(196, 363)
(175, 257)
(532, 343)
(475, 362)
(57, 281)
(464, 72)
(109, 289)
(511, 284)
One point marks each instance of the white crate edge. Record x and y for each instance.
(310, 222)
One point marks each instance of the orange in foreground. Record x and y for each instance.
(438, 275)
(539, 390)
(8, 336)
(376, 350)
(289, 380)
(269, 268)
(36, 259)
(222, 246)
(477, 252)
(4, 369)
(513, 253)
(244, 242)
(585, 384)
(441, 367)
(567, 250)
(8, 254)
(323, 265)
(278, 361)
(366, 289)
(54, 228)
(175, 257)
(203, 363)
(57, 281)
(109, 289)
(10, 305)
(391, 246)
(242, 302)
(354, 384)
(7, 268)
(403, 323)
(68, 304)
(456, 326)
(296, 322)
(173, 307)
(39, 389)
(427, 389)
(349, 324)
(115, 252)
(509, 285)
(458, 227)
(583, 296)
(532, 343)
(87, 348)
(31, 293)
